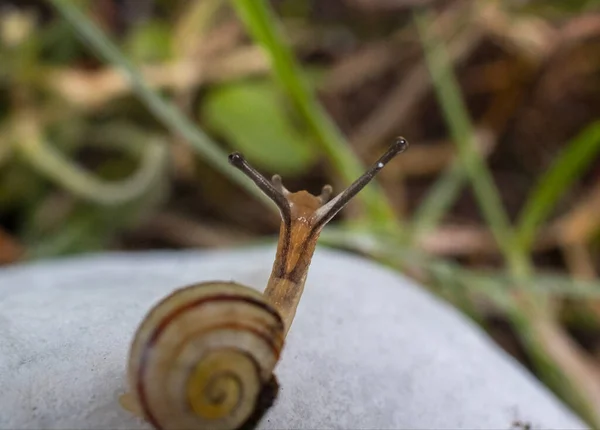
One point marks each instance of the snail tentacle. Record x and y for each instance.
(278, 184)
(278, 197)
(328, 211)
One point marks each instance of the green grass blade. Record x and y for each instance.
(50, 162)
(495, 284)
(579, 153)
(264, 27)
(165, 111)
(458, 121)
(439, 198)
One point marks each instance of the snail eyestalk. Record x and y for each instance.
(274, 191)
(303, 217)
(328, 211)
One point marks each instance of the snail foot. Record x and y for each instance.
(127, 402)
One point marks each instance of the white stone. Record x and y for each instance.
(368, 348)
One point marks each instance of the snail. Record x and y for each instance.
(203, 357)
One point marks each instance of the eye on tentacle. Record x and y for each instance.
(274, 190)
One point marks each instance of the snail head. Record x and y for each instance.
(304, 207)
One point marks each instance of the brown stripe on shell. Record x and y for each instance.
(141, 389)
(274, 344)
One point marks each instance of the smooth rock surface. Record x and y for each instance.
(368, 348)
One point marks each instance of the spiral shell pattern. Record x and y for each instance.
(201, 357)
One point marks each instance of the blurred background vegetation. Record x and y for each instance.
(116, 118)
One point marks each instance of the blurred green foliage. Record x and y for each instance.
(256, 120)
(149, 42)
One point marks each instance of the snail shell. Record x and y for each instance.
(203, 356)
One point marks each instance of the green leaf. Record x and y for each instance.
(578, 154)
(253, 118)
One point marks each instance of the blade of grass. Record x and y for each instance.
(493, 283)
(446, 189)
(579, 153)
(261, 22)
(461, 130)
(438, 199)
(165, 111)
(47, 160)
(441, 196)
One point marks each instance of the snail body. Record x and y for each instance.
(203, 357)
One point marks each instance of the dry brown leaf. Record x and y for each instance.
(10, 250)
(92, 89)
